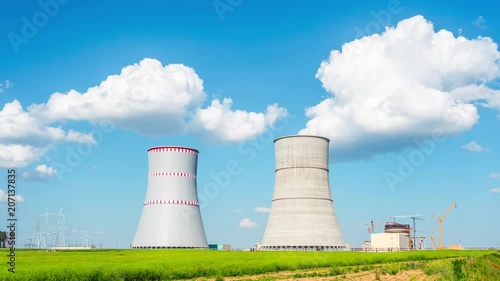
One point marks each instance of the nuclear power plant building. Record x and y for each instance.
(302, 214)
(171, 215)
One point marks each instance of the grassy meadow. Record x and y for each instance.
(190, 264)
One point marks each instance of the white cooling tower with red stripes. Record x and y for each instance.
(302, 215)
(171, 214)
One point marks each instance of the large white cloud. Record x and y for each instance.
(407, 83)
(157, 100)
(147, 98)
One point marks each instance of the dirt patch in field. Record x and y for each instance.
(306, 275)
(407, 275)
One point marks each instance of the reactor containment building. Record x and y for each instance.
(302, 214)
(171, 213)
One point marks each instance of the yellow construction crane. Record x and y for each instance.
(440, 220)
(434, 241)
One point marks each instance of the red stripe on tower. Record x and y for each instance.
(177, 202)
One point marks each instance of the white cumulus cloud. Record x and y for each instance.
(225, 124)
(41, 172)
(495, 176)
(15, 155)
(24, 138)
(406, 83)
(74, 136)
(262, 210)
(247, 223)
(480, 22)
(495, 190)
(21, 127)
(7, 84)
(474, 147)
(146, 97)
(157, 100)
(478, 94)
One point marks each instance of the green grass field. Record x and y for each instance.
(189, 264)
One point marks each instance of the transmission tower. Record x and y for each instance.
(85, 239)
(61, 229)
(38, 241)
(49, 232)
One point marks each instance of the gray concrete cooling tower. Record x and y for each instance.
(171, 214)
(302, 215)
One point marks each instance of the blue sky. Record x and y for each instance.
(226, 78)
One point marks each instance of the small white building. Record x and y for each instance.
(71, 248)
(390, 241)
(420, 243)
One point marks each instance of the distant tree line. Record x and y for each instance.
(3, 238)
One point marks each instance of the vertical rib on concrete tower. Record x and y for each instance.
(302, 214)
(171, 215)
